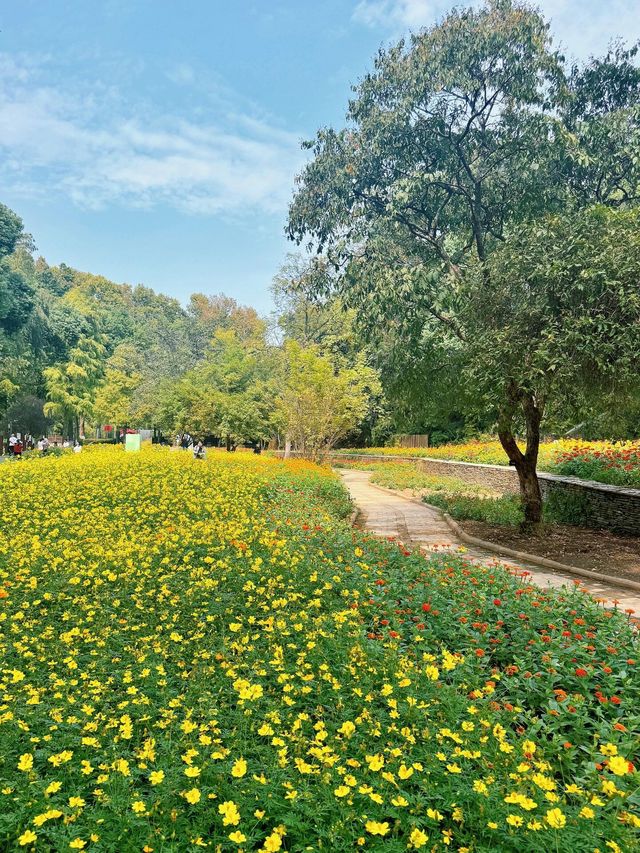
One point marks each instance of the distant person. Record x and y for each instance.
(77, 447)
(13, 440)
(66, 443)
(17, 449)
(186, 441)
(199, 451)
(43, 445)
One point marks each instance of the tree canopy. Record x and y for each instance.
(466, 140)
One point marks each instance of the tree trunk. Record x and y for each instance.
(531, 495)
(287, 447)
(524, 463)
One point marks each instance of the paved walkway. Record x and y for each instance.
(391, 515)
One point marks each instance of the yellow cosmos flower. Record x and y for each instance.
(342, 791)
(41, 819)
(230, 813)
(272, 843)
(27, 837)
(25, 762)
(239, 768)
(375, 762)
(237, 837)
(555, 818)
(418, 838)
(138, 807)
(618, 765)
(156, 777)
(192, 796)
(376, 828)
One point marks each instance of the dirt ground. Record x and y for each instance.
(597, 550)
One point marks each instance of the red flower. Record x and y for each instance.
(497, 602)
(581, 673)
(426, 607)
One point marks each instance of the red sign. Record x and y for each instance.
(108, 428)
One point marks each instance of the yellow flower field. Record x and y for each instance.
(204, 654)
(492, 452)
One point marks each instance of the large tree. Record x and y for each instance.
(457, 137)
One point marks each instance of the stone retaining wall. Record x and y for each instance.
(595, 504)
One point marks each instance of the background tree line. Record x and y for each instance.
(80, 351)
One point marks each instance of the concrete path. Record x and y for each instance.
(391, 515)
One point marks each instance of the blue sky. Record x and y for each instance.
(154, 141)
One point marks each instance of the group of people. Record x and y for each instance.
(187, 442)
(18, 443)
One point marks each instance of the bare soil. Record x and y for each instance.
(596, 550)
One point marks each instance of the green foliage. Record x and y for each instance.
(559, 311)
(566, 507)
(71, 386)
(25, 414)
(114, 396)
(321, 402)
(506, 509)
(471, 160)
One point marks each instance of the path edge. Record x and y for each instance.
(502, 550)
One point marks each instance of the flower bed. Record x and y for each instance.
(205, 654)
(616, 463)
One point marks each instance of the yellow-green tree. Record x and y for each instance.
(114, 396)
(71, 386)
(321, 402)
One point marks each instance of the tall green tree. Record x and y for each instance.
(318, 403)
(114, 396)
(72, 385)
(459, 136)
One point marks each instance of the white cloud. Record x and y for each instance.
(580, 27)
(586, 28)
(182, 74)
(407, 14)
(98, 149)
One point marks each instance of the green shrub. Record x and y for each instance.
(502, 510)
